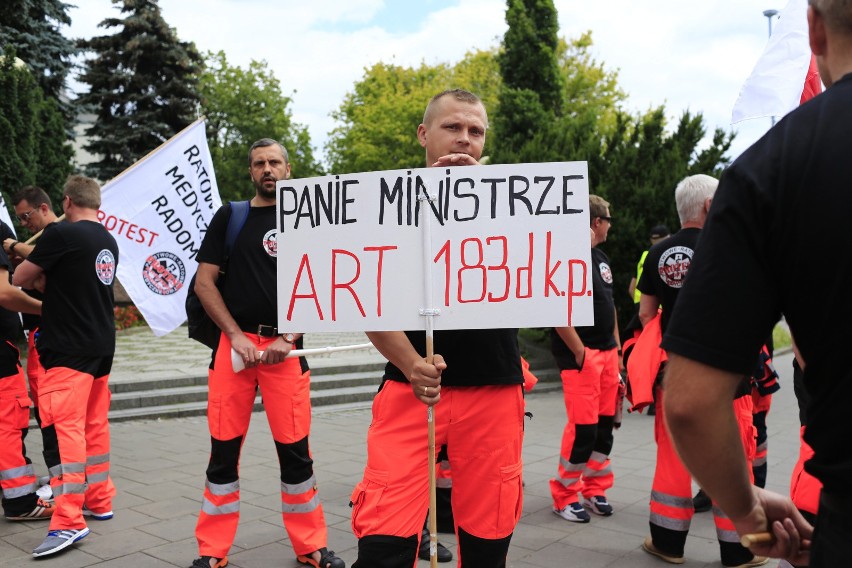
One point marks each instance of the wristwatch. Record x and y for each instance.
(289, 338)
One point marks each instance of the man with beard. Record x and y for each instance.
(244, 308)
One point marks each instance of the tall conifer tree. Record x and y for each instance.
(143, 86)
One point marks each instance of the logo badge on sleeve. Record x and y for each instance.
(105, 266)
(270, 243)
(606, 272)
(674, 264)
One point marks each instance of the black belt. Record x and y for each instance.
(261, 330)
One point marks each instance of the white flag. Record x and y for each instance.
(4, 214)
(158, 211)
(775, 84)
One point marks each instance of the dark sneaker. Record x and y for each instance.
(59, 540)
(599, 505)
(209, 562)
(105, 516)
(327, 559)
(701, 502)
(443, 554)
(573, 512)
(42, 511)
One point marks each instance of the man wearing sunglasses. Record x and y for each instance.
(35, 212)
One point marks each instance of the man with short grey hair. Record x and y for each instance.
(663, 275)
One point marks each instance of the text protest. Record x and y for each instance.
(509, 247)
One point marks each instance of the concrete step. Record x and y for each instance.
(333, 386)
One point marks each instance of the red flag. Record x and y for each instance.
(813, 84)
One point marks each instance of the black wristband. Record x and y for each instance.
(12, 246)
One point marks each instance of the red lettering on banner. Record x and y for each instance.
(526, 269)
(571, 293)
(345, 285)
(548, 273)
(501, 268)
(379, 267)
(305, 264)
(483, 282)
(128, 230)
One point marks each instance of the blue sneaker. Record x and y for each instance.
(599, 505)
(573, 512)
(59, 540)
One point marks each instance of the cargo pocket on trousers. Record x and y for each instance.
(511, 498)
(15, 410)
(365, 502)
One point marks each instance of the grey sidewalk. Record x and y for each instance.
(158, 468)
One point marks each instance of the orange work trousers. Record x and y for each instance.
(671, 494)
(590, 398)
(76, 406)
(287, 401)
(483, 430)
(35, 370)
(17, 477)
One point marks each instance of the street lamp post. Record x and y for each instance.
(769, 15)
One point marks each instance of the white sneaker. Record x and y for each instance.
(59, 540)
(599, 505)
(573, 512)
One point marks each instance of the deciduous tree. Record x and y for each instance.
(244, 105)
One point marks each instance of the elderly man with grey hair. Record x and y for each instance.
(664, 273)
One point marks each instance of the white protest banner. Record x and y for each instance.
(158, 211)
(510, 247)
(4, 214)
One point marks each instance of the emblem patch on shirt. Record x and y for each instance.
(164, 273)
(606, 272)
(674, 264)
(105, 266)
(270, 244)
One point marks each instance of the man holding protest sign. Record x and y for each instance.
(74, 265)
(244, 310)
(477, 376)
(589, 363)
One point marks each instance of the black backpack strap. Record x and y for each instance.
(239, 214)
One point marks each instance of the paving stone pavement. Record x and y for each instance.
(158, 467)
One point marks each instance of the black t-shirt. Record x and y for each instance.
(10, 323)
(777, 240)
(80, 261)
(250, 289)
(665, 270)
(601, 335)
(474, 357)
(251, 284)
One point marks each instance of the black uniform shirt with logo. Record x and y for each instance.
(601, 335)
(250, 291)
(10, 325)
(665, 269)
(80, 261)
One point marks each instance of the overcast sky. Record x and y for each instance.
(686, 55)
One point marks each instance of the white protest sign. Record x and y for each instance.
(158, 211)
(510, 247)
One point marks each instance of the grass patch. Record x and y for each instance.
(781, 337)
